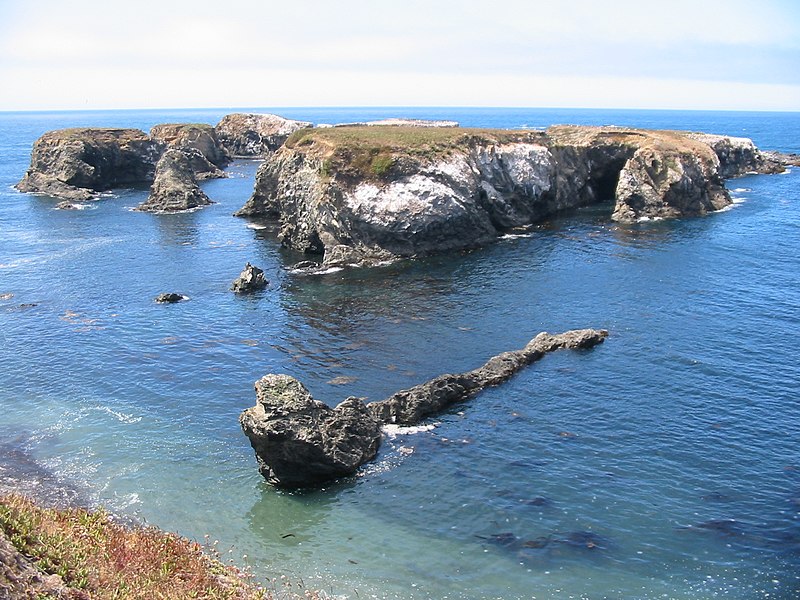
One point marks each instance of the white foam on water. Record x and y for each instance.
(392, 431)
(255, 226)
(515, 236)
(740, 190)
(121, 417)
(649, 219)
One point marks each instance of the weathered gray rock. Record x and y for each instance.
(75, 164)
(169, 298)
(175, 186)
(369, 194)
(300, 441)
(738, 156)
(250, 279)
(253, 135)
(410, 406)
(195, 136)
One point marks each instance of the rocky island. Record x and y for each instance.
(364, 194)
(76, 164)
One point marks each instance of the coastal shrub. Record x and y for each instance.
(96, 556)
(381, 164)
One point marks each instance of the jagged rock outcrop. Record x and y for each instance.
(75, 164)
(300, 441)
(210, 157)
(738, 156)
(250, 279)
(175, 186)
(253, 135)
(368, 194)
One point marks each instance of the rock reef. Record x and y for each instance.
(359, 195)
(300, 441)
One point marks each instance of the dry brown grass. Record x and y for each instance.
(375, 152)
(99, 558)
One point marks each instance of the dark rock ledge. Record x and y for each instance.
(300, 441)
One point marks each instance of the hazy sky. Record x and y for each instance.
(704, 54)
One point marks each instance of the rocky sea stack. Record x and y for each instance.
(76, 164)
(251, 135)
(357, 195)
(175, 187)
(300, 441)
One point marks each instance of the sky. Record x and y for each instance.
(679, 54)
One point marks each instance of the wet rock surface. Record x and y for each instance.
(300, 441)
(250, 279)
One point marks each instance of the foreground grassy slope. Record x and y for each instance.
(79, 554)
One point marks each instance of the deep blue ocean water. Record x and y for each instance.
(662, 464)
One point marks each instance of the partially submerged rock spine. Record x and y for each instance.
(300, 441)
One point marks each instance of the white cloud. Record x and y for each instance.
(574, 52)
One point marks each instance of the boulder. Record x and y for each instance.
(194, 136)
(250, 279)
(169, 298)
(300, 441)
(75, 164)
(255, 135)
(175, 186)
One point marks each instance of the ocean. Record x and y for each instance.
(662, 464)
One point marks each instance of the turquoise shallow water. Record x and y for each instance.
(663, 464)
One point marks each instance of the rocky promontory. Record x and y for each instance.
(366, 194)
(76, 164)
(300, 441)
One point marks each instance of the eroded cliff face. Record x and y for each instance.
(74, 164)
(358, 196)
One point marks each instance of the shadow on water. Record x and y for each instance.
(21, 473)
(285, 519)
(178, 229)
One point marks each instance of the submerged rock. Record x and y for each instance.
(250, 279)
(300, 441)
(75, 164)
(175, 186)
(255, 135)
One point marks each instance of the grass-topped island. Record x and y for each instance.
(364, 194)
